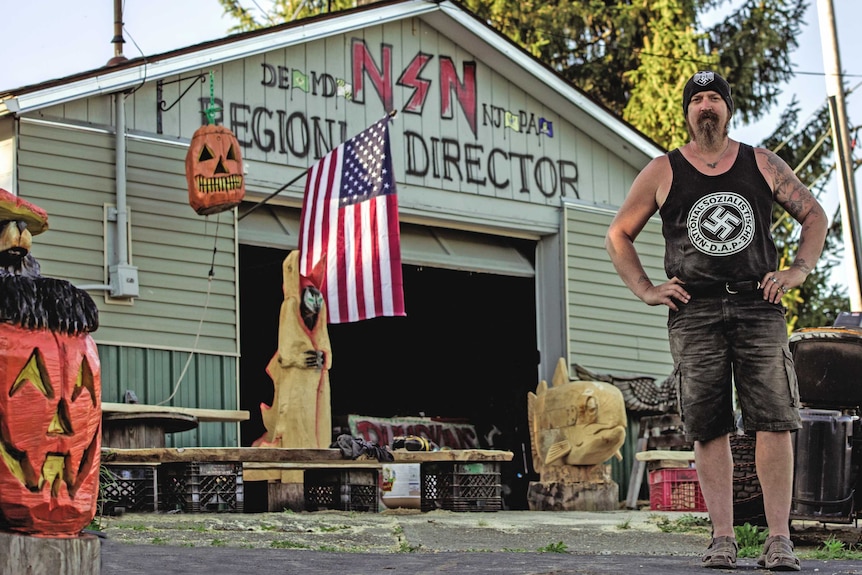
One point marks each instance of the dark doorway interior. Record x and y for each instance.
(466, 350)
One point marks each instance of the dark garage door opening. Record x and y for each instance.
(466, 350)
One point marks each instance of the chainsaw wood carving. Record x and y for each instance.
(301, 412)
(575, 427)
(50, 389)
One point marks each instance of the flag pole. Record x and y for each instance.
(391, 114)
(275, 193)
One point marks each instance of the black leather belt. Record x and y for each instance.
(724, 289)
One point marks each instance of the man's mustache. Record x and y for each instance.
(707, 115)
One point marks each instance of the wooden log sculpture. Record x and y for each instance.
(50, 389)
(214, 171)
(301, 413)
(575, 427)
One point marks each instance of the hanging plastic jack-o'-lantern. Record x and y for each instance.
(214, 166)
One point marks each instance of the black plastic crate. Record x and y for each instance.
(128, 488)
(202, 487)
(461, 486)
(341, 489)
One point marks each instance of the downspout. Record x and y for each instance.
(120, 154)
(123, 278)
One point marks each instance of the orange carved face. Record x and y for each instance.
(50, 431)
(214, 170)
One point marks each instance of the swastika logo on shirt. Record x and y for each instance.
(721, 224)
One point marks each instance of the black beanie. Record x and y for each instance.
(704, 81)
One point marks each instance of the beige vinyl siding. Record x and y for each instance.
(444, 190)
(610, 330)
(69, 172)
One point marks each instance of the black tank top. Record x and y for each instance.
(716, 228)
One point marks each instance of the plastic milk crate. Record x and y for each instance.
(675, 489)
(341, 489)
(202, 487)
(456, 486)
(128, 488)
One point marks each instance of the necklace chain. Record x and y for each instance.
(715, 163)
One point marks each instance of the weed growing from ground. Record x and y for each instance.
(834, 549)
(627, 524)
(558, 547)
(685, 524)
(750, 539)
(288, 545)
(405, 547)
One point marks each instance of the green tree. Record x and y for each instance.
(282, 11)
(654, 106)
(634, 56)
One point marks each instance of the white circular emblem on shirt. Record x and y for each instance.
(721, 224)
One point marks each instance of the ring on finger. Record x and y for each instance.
(783, 289)
(773, 280)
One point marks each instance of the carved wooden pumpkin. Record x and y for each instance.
(50, 430)
(214, 170)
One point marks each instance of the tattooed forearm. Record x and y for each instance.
(643, 279)
(788, 190)
(801, 264)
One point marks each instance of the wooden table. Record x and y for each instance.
(141, 426)
(142, 430)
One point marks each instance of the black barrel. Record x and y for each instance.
(823, 479)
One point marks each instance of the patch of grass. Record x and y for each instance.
(160, 541)
(107, 480)
(329, 548)
(200, 528)
(685, 524)
(834, 549)
(750, 539)
(558, 547)
(483, 523)
(140, 527)
(627, 524)
(405, 547)
(288, 545)
(269, 528)
(330, 528)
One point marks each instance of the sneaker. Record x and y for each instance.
(721, 554)
(778, 555)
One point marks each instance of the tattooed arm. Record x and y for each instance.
(801, 204)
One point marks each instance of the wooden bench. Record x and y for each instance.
(268, 463)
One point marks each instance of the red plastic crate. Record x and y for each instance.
(675, 490)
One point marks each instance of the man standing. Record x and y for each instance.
(726, 323)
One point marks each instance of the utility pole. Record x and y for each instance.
(844, 161)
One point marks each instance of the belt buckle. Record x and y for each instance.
(728, 290)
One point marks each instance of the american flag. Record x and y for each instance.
(350, 217)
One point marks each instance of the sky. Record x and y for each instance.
(40, 45)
